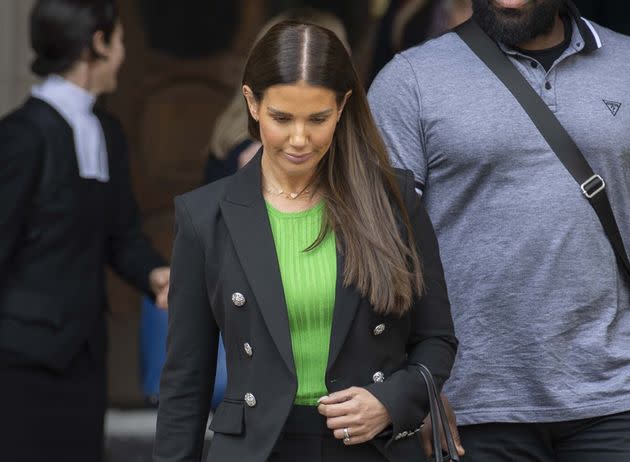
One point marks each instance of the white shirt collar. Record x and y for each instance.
(75, 106)
(70, 98)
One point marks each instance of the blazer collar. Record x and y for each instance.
(245, 187)
(247, 220)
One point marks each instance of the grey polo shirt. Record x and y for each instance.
(540, 307)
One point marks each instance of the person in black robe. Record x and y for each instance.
(67, 211)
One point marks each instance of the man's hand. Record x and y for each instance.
(357, 411)
(426, 434)
(158, 280)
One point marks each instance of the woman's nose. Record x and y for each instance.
(298, 136)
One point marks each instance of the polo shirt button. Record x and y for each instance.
(548, 86)
(534, 64)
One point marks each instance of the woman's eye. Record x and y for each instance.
(281, 119)
(318, 120)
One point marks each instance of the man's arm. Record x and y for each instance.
(396, 105)
(396, 102)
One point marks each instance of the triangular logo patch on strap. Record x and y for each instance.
(613, 106)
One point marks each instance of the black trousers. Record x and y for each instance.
(600, 439)
(307, 439)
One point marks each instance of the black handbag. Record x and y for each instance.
(438, 419)
(592, 185)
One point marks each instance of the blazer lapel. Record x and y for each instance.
(247, 221)
(346, 303)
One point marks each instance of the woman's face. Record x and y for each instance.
(297, 124)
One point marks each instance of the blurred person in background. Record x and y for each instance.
(67, 211)
(231, 146)
(407, 23)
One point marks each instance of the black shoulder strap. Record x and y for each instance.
(592, 185)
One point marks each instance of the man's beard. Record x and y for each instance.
(512, 26)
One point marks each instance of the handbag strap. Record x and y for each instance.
(438, 419)
(592, 185)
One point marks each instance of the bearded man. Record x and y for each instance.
(541, 306)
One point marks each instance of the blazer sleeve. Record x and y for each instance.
(129, 252)
(21, 158)
(432, 340)
(187, 378)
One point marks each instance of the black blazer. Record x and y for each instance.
(58, 231)
(223, 247)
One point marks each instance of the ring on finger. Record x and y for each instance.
(346, 434)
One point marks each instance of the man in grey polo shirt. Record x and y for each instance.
(541, 307)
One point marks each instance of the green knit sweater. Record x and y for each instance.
(309, 281)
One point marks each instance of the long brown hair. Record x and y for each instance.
(230, 128)
(363, 202)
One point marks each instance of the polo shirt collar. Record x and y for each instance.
(591, 38)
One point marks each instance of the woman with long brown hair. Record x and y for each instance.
(320, 267)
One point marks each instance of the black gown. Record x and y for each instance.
(59, 232)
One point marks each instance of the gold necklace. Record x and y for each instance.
(281, 192)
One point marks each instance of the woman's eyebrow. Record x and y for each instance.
(274, 111)
(277, 112)
(323, 113)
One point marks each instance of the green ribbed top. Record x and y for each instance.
(309, 281)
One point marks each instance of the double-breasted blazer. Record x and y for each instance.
(225, 277)
(58, 232)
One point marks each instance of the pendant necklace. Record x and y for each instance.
(288, 195)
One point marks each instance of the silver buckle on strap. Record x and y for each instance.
(592, 186)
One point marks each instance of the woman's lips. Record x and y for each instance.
(298, 158)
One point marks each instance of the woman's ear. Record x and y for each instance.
(343, 104)
(252, 103)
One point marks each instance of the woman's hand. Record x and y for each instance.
(356, 410)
